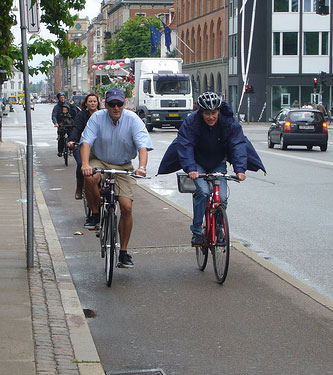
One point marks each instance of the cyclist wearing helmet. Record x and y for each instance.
(205, 140)
(56, 113)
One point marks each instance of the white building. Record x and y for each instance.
(12, 87)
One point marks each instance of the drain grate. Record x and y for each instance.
(155, 371)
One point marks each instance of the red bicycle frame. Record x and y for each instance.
(213, 202)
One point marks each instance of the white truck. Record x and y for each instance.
(163, 95)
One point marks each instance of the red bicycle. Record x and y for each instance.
(215, 230)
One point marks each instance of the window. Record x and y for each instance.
(98, 48)
(289, 43)
(12, 85)
(285, 42)
(316, 43)
(285, 5)
(308, 6)
(140, 14)
(233, 45)
(98, 32)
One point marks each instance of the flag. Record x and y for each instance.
(167, 35)
(155, 38)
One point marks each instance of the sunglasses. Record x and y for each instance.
(113, 104)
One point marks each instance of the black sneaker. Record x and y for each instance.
(125, 260)
(196, 239)
(59, 154)
(92, 222)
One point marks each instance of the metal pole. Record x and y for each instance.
(29, 152)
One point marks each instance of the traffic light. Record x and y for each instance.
(322, 8)
(315, 82)
(249, 89)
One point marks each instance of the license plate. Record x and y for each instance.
(173, 114)
(306, 127)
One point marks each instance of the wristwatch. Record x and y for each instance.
(142, 167)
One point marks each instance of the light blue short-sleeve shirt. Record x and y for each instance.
(116, 144)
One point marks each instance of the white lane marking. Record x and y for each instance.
(297, 157)
(42, 144)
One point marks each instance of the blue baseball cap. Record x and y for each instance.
(114, 94)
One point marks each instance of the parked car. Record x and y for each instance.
(305, 127)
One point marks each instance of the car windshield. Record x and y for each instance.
(305, 116)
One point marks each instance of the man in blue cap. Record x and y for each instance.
(112, 138)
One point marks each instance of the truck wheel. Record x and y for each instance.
(143, 117)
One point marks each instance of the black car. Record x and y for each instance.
(304, 127)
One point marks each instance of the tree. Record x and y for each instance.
(57, 18)
(133, 40)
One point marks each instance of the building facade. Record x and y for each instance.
(279, 47)
(202, 28)
(13, 88)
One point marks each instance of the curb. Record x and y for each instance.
(305, 289)
(86, 356)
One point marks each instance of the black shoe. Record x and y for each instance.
(92, 222)
(196, 239)
(125, 260)
(60, 154)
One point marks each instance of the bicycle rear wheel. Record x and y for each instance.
(202, 251)
(110, 246)
(221, 249)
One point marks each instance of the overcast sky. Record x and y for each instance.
(91, 11)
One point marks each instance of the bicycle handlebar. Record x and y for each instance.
(220, 174)
(117, 171)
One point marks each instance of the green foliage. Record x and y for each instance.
(126, 87)
(133, 40)
(173, 53)
(56, 15)
(7, 20)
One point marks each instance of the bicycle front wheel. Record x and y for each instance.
(202, 251)
(221, 249)
(110, 246)
(66, 153)
(87, 210)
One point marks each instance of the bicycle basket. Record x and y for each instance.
(185, 183)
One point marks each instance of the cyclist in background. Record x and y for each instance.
(207, 139)
(89, 106)
(112, 138)
(56, 112)
(65, 125)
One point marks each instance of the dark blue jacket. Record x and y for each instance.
(239, 150)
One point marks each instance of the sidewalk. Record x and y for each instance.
(42, 326)
(43, 329)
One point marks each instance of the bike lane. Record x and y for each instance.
(166, 314)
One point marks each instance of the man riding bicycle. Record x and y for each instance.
(112, 138)
(206, 141)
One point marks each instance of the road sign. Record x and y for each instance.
(32, 16)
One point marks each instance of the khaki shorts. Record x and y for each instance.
(125, 185)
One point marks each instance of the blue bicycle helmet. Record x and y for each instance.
(209, 101)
